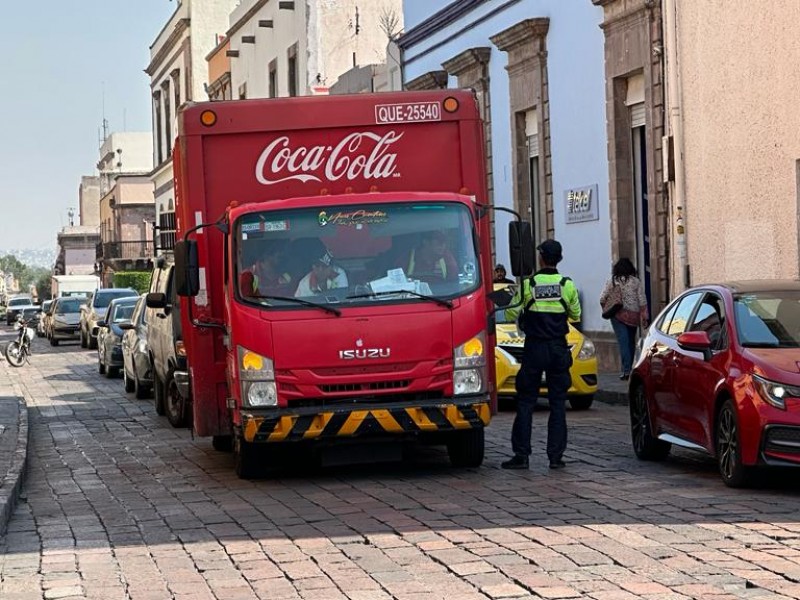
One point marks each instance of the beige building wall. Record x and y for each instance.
(739, 76)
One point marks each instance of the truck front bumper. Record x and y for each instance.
(294, 425)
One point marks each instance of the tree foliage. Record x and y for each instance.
(138, 280)
(26, 275)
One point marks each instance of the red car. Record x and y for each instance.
(719, 371)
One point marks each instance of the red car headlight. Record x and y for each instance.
(774, 393)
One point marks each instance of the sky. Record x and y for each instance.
(61, 58)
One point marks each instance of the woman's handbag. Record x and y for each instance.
(613, 302)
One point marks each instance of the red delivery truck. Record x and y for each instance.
(334, 270)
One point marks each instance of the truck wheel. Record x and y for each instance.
(175, 405)
(581, 402)
(159, 392)
(112, 372)
(222, 443)
(465, 448)
(244, 458)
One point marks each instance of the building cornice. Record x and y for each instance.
(523, 32)
(438, 21)
(432, 80)
(467, 59)
(245, 18)
(180, 27)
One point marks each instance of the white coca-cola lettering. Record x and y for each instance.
(351, 158)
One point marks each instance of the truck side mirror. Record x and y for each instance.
(156, 300)
(520, 248)
(187, 270)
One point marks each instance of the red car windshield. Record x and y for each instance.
(768, 319)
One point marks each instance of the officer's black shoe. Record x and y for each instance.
(557, 464)
(517, 462)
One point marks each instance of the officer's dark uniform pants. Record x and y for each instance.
(553, 358)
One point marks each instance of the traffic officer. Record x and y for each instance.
(548, 300)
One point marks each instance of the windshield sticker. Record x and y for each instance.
(266, 226)
(355, 218)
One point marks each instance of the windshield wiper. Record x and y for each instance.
(439, 301)
(329, 309)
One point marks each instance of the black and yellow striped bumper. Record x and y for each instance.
(392, 420)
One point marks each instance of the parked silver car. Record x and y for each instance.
(64, 320)
(109, 335)
(41, 329)
(137, 370)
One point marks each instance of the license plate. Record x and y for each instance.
(412, 112)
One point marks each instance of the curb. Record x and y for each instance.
(11, 484)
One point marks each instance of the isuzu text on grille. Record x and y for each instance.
(365, 353)
(353, 158)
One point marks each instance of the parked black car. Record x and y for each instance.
(109, 336)
(167, 354)
(137, 371)
(95, 310)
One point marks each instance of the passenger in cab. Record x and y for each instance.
(323, 276)
(431, 261)
(265, 277)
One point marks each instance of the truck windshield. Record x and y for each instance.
(364, 254)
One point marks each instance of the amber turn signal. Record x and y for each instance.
(208, 118)
(450, 105)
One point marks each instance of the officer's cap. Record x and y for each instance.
(550, 251)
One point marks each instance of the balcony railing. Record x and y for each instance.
(128, 250)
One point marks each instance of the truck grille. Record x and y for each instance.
(408, 397)
(361, 387)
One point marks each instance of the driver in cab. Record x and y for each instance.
(324, 276)
(431, 261)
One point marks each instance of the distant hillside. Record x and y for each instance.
(40, 257)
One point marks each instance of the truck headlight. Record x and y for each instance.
(257, 375)
(469, 362)
(467, 381)
(261, 393)
(471, 353)
(587, 350)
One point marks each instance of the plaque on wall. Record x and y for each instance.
(581, 204)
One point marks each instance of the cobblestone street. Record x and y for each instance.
(118, 504)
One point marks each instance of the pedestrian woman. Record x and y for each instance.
(628, 289)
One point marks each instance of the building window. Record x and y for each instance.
(273, 79)
(292, 69)
(167, 118)
(159, 148)
(534, 173)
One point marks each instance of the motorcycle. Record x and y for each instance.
(18, 351)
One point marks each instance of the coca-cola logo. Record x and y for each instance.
(360, 155)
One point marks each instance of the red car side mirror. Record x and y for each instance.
(696, 341)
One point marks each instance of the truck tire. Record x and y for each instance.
(112, 372)
(245, 458)
(175, 405)
(159, 392)
(222, 443)
(465, 448)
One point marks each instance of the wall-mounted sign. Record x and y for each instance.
(581, 204)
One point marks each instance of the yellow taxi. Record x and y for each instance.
(508, 355)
